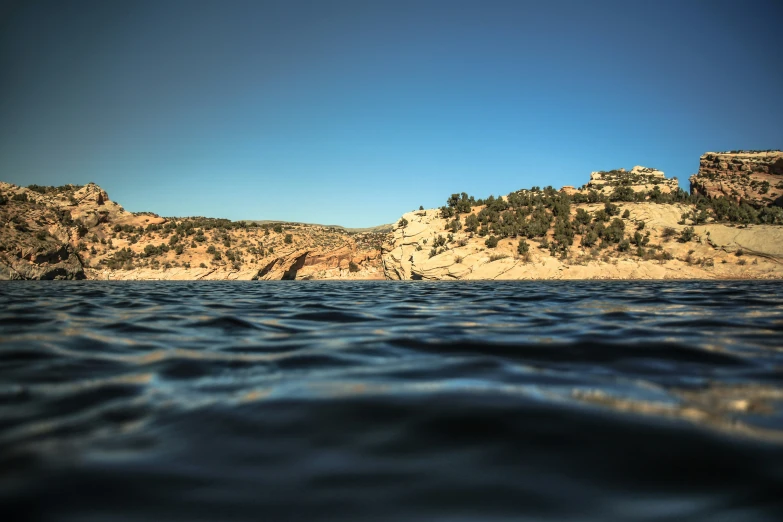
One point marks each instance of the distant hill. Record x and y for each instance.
(380, 228)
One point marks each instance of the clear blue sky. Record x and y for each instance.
(353, 112)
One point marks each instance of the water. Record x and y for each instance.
(391, 401)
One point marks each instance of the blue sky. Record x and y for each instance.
(353, 112)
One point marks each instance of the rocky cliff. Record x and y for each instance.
(621, 224)
(716, 251)
(638, 179)
(647, 229)
(74, 232)
(754, 177)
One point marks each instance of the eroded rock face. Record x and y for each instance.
(421, 247)
(638, 179)
(49, 261)
(713, 254)
(70, 232)
(35, 239)
(756, 177)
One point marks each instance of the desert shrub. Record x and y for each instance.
(601, 216)
(120, 258)
(582, 217)
(495, 257)
(771, 215)
(402, 223)
(668, 232)
(471, 223)
(491, 242)
(626, 214)
(589, 239)
(523, 247)
(687, 234)
(353, 267)
(288, 239)
(611, 209)
(278, 228)
(615, 231)
(202, 265)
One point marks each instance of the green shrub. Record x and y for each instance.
(668, 232)
(687, 234)
(491, 242)
(288, 239)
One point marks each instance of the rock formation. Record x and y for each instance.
(621, 225)
(76, 232)
(754, 177)
(639, 179)
(35, 239)
(660, 238)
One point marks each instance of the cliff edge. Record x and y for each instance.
(751, 176)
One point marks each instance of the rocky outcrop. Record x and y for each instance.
(72, 232)
(713, 254)
(35, 239)
(638, 179)
(53, 261)
(754, 177)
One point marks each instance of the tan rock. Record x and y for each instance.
(756, 177)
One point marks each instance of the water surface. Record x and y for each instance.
(391, 401)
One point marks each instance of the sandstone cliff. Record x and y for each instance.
(35, 238)
(712, 254)
(638, 179)
(76, 232)
(755, 177)
(648, 229)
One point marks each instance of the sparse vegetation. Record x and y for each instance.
(687, 234)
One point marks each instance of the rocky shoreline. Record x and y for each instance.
(621, 224)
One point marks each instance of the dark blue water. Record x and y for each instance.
(391, 401)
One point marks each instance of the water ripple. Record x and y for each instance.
(388, 401)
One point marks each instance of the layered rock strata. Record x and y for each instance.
(754, 177)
